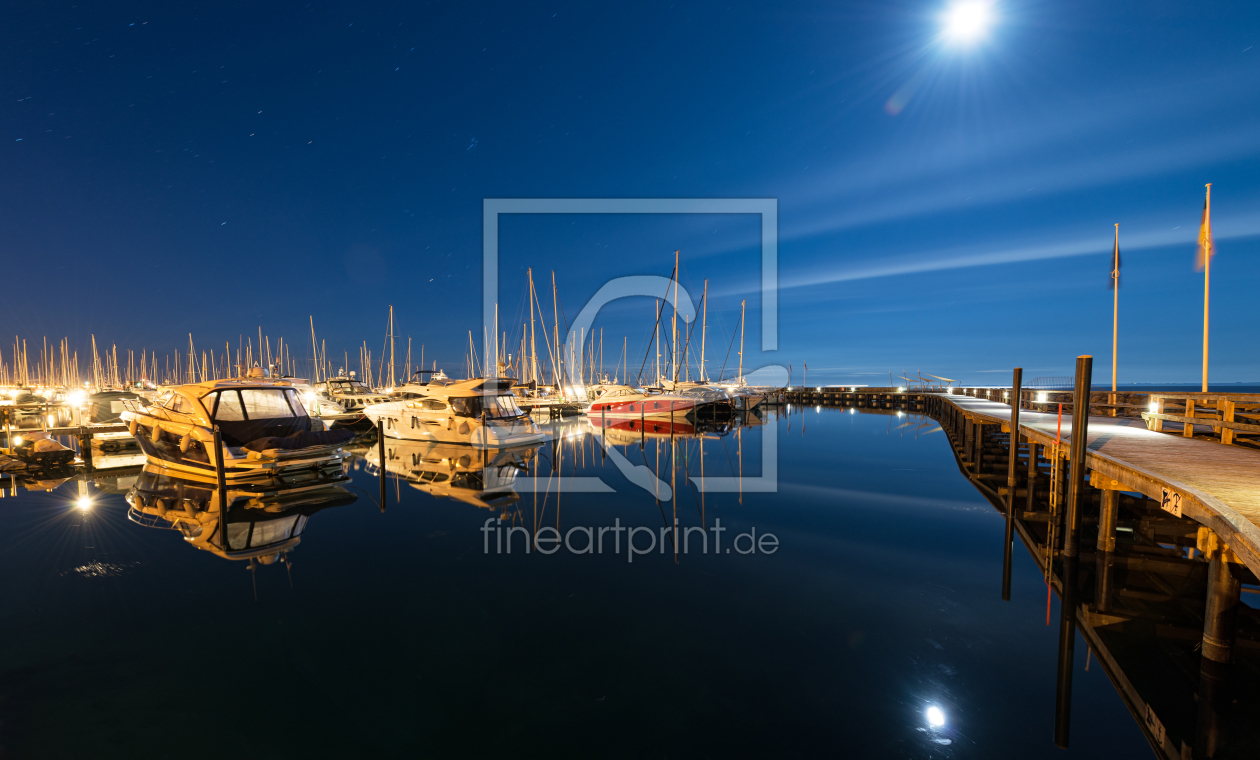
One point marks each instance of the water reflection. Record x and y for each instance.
(260, 524)
(481, 477)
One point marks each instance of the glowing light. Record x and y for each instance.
(935, 717)
(17, 440)
(76, 398)
(1154, 407)
(83, 503)
(968, 20)
(1042, 397)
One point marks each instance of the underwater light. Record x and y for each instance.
(935, 717)
(83, 503)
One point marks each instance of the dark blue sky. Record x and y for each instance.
(172, 168)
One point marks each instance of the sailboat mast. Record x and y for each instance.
(392, 374)
(533, 344)
(704, 327)
(741, 341)
(656, 337)
(674, 373)
(555, 305)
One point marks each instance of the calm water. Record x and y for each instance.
(398, 634)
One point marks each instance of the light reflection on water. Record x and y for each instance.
(874, 629)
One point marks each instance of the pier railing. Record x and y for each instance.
(1232, 419)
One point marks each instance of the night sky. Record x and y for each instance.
(175, 168)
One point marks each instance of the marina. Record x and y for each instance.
(693, 380)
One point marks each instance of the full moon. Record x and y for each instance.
(968, 20)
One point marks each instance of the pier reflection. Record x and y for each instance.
(1154, 597)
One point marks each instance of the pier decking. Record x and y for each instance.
(1213, 484)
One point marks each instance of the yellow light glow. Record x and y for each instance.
(1154, 407)
(76, 398)
(83, 503)
(1042, 397)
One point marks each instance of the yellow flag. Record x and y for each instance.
(1205, 234)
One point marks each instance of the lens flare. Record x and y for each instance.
(967, 21)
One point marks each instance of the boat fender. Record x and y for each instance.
(185, 442)
(190, 509)
(463, 428)
(163, 503)
(131, 427)
(155, 435)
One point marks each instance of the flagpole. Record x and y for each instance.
(1115, 312)
(1207, 278)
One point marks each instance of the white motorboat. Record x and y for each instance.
(478, 412)
(266, 431)
(353, 395)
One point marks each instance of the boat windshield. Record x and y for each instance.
(346, 386)
(253, 404)
(495, 407)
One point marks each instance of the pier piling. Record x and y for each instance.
(1011, 482)
(1077, 449)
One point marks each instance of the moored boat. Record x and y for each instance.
(626, 401)
(478, 412)
(266, 432)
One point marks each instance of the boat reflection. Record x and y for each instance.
(262, 525)
(482, 477)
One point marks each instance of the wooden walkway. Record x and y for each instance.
(1218, 485)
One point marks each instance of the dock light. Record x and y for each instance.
(76, 398)
(1043, 397)
(83, 503)
(901, 390)
(17, 440)
(935, 717)
(1154, 407)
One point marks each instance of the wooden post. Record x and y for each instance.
(1107, 520)
(1227, 415)
(1223, 597)
(1011, 480)
(1076, 466)
(1067, 652)
(1188, 427)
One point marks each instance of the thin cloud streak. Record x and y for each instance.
(962, 258)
